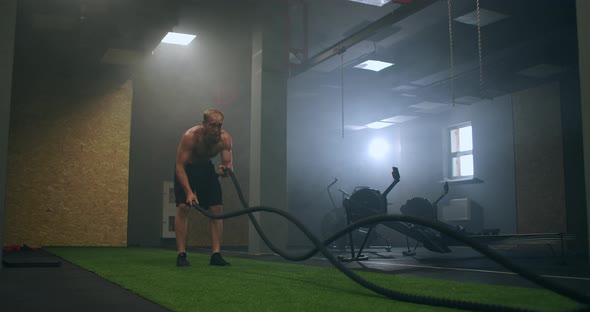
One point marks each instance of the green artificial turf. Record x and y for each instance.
(251, 285)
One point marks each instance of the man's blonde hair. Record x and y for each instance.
(210, 112)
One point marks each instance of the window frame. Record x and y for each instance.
(451, 155)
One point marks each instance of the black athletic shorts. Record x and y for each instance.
(204, 182)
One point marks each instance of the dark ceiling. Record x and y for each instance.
(534, 43)
(73, 38)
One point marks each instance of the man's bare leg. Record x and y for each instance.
(216, 229)
(180, 226)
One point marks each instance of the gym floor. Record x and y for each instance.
(462, 264)
(69, 287)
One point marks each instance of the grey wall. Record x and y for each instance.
(424, 159)
(171, 90)
(318, 154)
(7, 27)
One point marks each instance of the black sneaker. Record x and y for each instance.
(216, 259)
(182, 260)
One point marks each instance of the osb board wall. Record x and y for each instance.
(538, 149)
(68, 160)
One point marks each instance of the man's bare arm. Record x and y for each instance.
(183, 155)
(226, 155)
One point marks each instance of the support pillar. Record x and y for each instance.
(268, 158)
(7, 28)
(583, 19)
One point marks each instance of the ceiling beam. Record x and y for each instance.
(397, 15)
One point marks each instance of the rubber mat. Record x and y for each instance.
(29, 258)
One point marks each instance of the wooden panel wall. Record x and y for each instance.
(538, 149)
(68, 160)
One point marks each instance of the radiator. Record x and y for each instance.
(459, 209)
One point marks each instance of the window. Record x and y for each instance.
(461, 156)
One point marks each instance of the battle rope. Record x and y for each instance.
(393, 294)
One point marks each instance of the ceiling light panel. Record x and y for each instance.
(354, 128)
(542, 71)
(399, 118)
(428, 105)
(379, 125)
(403, 88)
(373, 65)
(178, 38)
(487, 17)
(373, 2)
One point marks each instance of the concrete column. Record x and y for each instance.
(583, 18)
(268, 156)
(7, 27)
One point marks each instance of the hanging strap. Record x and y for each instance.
(451, 53)
(481, 89)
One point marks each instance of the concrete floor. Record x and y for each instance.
(462, 264)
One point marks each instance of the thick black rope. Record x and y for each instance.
(392, 294)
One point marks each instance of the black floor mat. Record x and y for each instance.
(29, 258)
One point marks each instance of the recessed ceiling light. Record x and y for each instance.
(379, 125)
(434, 111)
(428, 105)
(542, 71)
(403, 88)
(354, 128)
(486, 17)
(399, 118)
(373, 2)
(373, 65)
(178, 38)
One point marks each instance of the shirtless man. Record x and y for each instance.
(195, 179)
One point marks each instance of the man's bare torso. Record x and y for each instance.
(202, 150)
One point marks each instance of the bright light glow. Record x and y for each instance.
(378, 148)
(178, 38)
(373, 2)
(379, 125)
(373, 65)
(399, 118)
